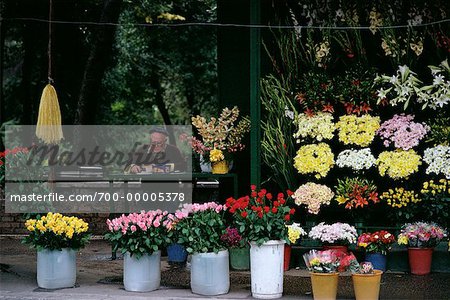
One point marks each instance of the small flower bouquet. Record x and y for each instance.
(357, 160)
(421, 235)
(56, 232)
(295, 231)
(261, 217)
(402, 132)
(360, 131)
(398, 164)
(223, 135)
(313, 195)
(334, 234)
(438, 160)
(322, 261)
(377, 242)
(139, 233)
(316, 159)
(356, 192)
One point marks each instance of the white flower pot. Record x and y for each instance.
(210, 273)
(56, 269)
(143, 274)
(266, 266)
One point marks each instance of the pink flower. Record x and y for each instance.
(133, 228)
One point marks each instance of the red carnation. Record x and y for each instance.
(266, 209)
(292, 211)
(253, 187)
(244, 214)
(269, 196)
(253, 194)
(287, 217)
(274, 210)
(289, 192)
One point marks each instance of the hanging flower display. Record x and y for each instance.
(315, 159)
(398, 164)
(319, 127)
(402, 132)
(356, 130)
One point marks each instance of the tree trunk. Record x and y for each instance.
(102, 41)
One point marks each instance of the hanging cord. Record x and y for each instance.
(49, 49)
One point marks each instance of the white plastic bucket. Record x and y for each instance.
(143, 274)
(210, 273)
(56, 269)
(266, 266)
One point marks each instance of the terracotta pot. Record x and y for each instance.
(287, 257)
(420, 260)
(336, 247)
(324, 285)
(367, 286)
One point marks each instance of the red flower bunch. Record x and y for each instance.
(377, 242)
(261, 216)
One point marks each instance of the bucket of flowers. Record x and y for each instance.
(295, 232)
(376, 246)
(56, 239)
(336, 236)
(238, 248)
(421, 238)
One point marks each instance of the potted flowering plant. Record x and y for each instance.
(56, 239)
(376, 246)
(261, 218)
(420, 238)
(295, 231)
(335, 236)
(140, 237)
(238, 248)
(220, 138)
(201, 233)
(176, 249)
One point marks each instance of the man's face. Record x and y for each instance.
(158, 141)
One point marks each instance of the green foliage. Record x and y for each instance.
(50, 241)
(201, 232)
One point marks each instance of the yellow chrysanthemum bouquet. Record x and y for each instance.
(315, 159)
(55, 232)
(359, 131)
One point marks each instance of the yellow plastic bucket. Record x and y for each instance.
(367, 286)
(324, 285)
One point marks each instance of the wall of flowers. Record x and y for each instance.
(357, 122)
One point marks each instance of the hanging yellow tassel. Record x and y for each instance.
(48, 127)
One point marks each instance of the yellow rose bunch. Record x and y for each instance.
(315, 159)
(356, 130)
(216, 155)
(398, 164)
(58, 224)
(399, 197)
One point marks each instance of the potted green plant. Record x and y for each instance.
(140, 238)
(56, 239)
(261, 218)
(238, 248)
(201, 232)
(420, 238)
(376, 246)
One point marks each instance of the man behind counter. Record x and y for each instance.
(157, 153)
